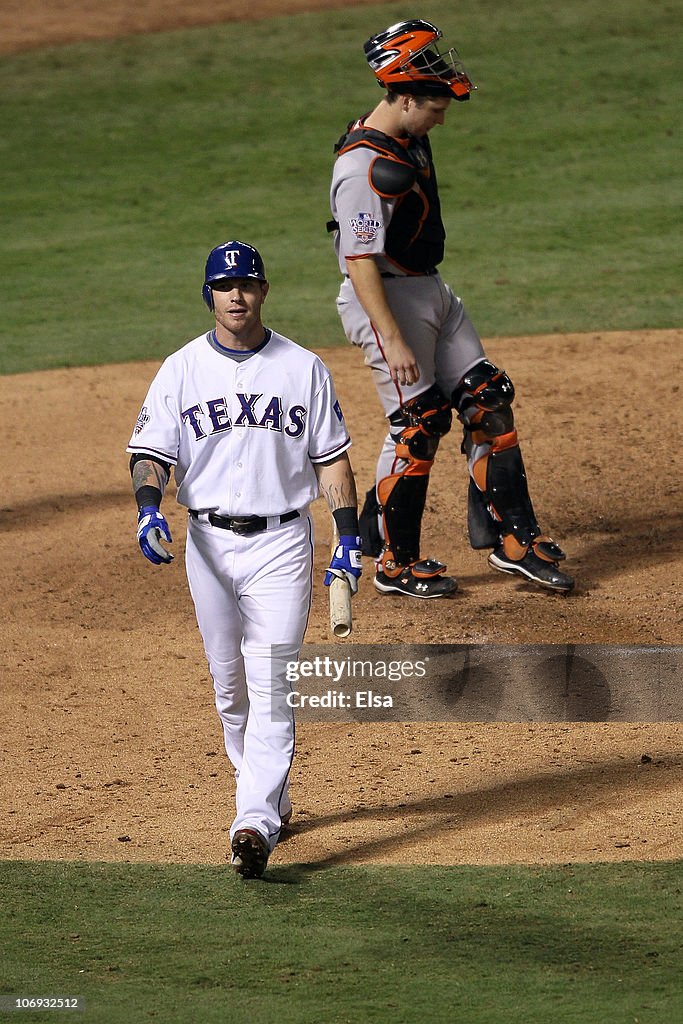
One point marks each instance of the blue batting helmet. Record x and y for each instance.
(232, 259)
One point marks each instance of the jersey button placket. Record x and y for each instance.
(239, 433)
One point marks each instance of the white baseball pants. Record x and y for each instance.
(252, 598)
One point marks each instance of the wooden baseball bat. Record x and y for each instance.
(341, 618)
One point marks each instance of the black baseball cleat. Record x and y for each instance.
(536, 570)
(421, 579)
(250, 853)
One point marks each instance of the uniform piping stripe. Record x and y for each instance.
(152, 451)
(284, 784)
(333, 451)
(308, 613)
(379, 346)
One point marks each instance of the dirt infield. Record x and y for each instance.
(112, 749)
(44, 23)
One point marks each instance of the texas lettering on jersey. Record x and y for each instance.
(212, 417)
(243, 437)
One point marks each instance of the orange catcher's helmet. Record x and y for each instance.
(406, 59)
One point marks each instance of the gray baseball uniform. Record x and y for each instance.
(385, 203)
(431, 318)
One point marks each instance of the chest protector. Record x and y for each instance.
(415, 237)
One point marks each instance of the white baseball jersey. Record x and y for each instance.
(242, 430)
(242, 433)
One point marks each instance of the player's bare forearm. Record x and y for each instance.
(337, 483)
(369, 288)
(149, 482)
(146, 473)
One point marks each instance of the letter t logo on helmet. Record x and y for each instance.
(232, 259)
(406, 59)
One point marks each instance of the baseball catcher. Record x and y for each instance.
(426, 358)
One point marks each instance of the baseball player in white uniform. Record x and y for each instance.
(252, 427)
(424, 353)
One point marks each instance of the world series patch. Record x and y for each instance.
(365, 227)
(142, 420)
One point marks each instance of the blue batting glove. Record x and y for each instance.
(151, 528)
(346, 563)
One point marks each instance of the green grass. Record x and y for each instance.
(576, 945)
(122, 163)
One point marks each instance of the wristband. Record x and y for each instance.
(148, 495)
(346, 520)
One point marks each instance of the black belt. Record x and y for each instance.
(244, 524)
(422, 273)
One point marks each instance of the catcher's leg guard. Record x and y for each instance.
(368, 525)
(416, 428)
(500, 512)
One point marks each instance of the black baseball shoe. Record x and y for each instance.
(421, 579)
(250, 853)
(536, 570)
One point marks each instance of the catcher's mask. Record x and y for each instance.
(232, 259)
(405, 59)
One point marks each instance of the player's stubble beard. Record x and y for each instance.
(238, 322)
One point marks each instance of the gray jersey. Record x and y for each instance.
(363, 215)
(430, 316)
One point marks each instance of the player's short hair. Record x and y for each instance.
(393, 94)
